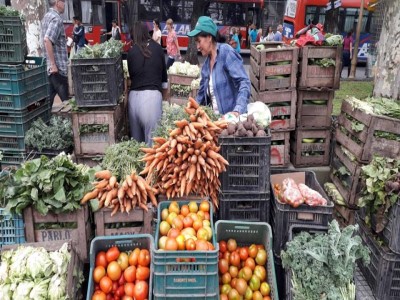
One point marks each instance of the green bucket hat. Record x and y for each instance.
(204, 24)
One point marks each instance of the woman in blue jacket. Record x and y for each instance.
(224, 82)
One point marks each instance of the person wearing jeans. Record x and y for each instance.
(173, 51)
(55, 50)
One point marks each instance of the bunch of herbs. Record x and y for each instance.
(111, 48)
(49, 185)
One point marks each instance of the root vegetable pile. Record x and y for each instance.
(188, 161)
(133, 191)
(248, 128)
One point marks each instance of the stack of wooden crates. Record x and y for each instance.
(310, 142)
(99, 120)
(273, 77)
(180, 88)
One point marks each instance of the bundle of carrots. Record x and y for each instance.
(188, 161)
(133, 191)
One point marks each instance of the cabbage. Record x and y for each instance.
(334, 40)
(4, 267)
(23, 289)
(57, 288)
(260, 112)
(184, 69)
(195, 84)
(61, 259)
(5, 292)
(39, 264)
(39, 291)
(18, 262)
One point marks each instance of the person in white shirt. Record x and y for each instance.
(156, 31)
(269, 37)
(115, 31)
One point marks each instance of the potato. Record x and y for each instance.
(261, 133)
(247, 125)
(250, 133)
(224, 132)
(231, 128)
(254, 128)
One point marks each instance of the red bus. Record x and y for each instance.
(225, 13)
(300, 13)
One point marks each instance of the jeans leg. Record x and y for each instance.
(58, 85)
(170, 62)
(52, 91)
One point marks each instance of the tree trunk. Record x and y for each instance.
(332, 21)
(199, 8)
(387, 76)
(34, 11)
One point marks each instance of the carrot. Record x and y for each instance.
(178, 161)
(187, 131)
(111, 195)
(192, 129)
(173, 143)
(190, 151)
(134, 202)
(89, 196)
(193, 103)
(114, 201)
(189, 186)
(141, 183)
(190, 111)
(201, 160)
(148, 158)
(128, 206)
(197, 152)
(198, 143)
(152, 198)
(101, 184)
(105, 174)
(174, 132)
(129, 193)
(159, 166)
(134, 189)
(193, 159)
(121, 194)
(185, 155)
(193, 118)
(148, 150)
(143, 206)
(181, 123)
(172, 151)
(159, 140)
(115, 209)
(192, 172)
(113, 181)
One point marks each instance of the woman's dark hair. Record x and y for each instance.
(216, 39)
(114, 21)
(268, 28)
(140, 37)
(77, 18)
(157, 22)
(349, 33)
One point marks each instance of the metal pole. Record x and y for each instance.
(357, 41)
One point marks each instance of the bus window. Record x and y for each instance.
(86, 11)
(97, 14)
(315, 15)
(178, 11)
(349, 17)
(149, 10)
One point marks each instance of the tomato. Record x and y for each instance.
(260, 247)
(144, 258)
(164, 228)
(261, 258)
(133, 257)
(250, 263)
(266, 298)
(173, 233)
(233, 295)
(190, 244)
(171, 244)
(112, 254)
(101, 259)
(223, 266)
(129, 288)
(225, 289)
(98, 273)
(114, 271)
(233, 270)
(265, 289)
(257, 295)
(222, 246)
(210, 246)
(247, 273)
(254, 283)
(201, 245)
(142, 273)
(110, 297)
(96, 287)
(249, 294)
(234, 260)
(193, 208)
(187, 222)
(243, 253)
(233, 282)
(223, 297)
(261, 273)
(173, 207)
(185, 210)
(253, 251)
(231, 245)
(141, 290)
(121, 280)
(99, 295)
(106, 284)
(241, 286)
(204, 206)
(120, 291)
(123, 260)
(226, 278)
(127, 298)
(115, 286)
(130, 274)
(197, 224)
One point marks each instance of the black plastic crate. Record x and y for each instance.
(283, 215)
(383, 272)
(97, 82)
(249, 164)
(13, 47)
(254, 207)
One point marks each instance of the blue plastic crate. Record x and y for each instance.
(13, 46)
(16, 124)
(247, 233)
(124, 243)
(18, 102)
(13, 159)
(12, 143)
(24, 77)
(175, 278)
(11, 228)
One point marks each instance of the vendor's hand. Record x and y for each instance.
(53, 69)
(236, 113)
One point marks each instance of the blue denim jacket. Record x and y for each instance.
(231, 82)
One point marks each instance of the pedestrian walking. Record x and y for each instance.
(173, 51)
(55, 50)
(78, 33)
(270, 35)
(347, 52)
(115, 31)
(224, 82)
(235, 42)
(156, 31)
(148, 73)
(253, 34)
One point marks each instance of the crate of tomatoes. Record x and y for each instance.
(185, 258)
(121, 266)
(246, 265)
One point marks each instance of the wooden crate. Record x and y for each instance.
(312, 76)
(347, 185)
(97, 142)
(80, 235)
(89, 160)
(368, 144)
(345, 214)
(282, 104)
(300, 149)
(63, 109)
(182, 80)
(265, 63)
(75, 265)
(280, 145)
(103, 220)
(312, 115)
